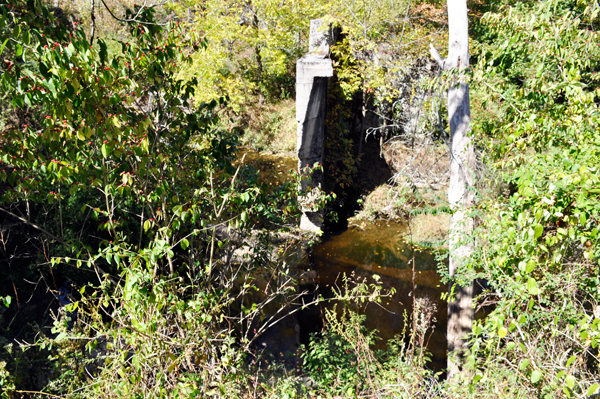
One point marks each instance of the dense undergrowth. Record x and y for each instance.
(128, 215)
(537, 247)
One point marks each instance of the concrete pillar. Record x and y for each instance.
(312, 72)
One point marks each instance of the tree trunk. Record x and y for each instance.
(363, 121)
(259, 73)
(259, 62)
(460, 193)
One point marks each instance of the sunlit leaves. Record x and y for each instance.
(543, 86)
(114, 127)
(536, 76)
(251, 46)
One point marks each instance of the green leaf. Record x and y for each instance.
(532, 286)
(60, 337)
(592, 389)
(103, 52)
(502, 332)
(570, 381)
(524, 364)
(145, 146)
(7, 300)
(104, 150)
(535, 376)
(51, 86)
(136, 362)
(184, 243)
(530, 266)
(583, 334)
(3, 45)
(44, 69)
(538, 230)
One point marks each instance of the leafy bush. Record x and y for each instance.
(138, 187)
(342, 362)
(537, 247)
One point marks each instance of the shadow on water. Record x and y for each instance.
(368, 249)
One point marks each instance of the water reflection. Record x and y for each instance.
(367, 249)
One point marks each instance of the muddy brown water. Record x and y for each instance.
(367, 249)
(363, 250)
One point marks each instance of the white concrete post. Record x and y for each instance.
(312, 72)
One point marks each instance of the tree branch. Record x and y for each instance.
(134, 19)
(93, 18)
(55, 238)
(436, 56)
(35, 226)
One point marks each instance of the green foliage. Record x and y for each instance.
(333, 363)
(139, 187)
(339, 153)
(252, 47)
(537, 247)
(541, 258)
(123, 168)
(539, 62)
(112, 130)
(365, 25)
(138, 351)
(343, 363)
(7, 383)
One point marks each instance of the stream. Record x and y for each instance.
(364, 249)
(367, 249)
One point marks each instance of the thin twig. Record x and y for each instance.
(35, 226)
(40, 392)
(134, 19)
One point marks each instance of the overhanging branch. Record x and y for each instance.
(35, 226)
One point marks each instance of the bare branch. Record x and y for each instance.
(134, 19)
(93, 18)
(35, 226)
(436, 56)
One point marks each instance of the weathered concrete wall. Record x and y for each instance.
(312, 72)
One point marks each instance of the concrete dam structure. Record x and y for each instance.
(312, 73)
